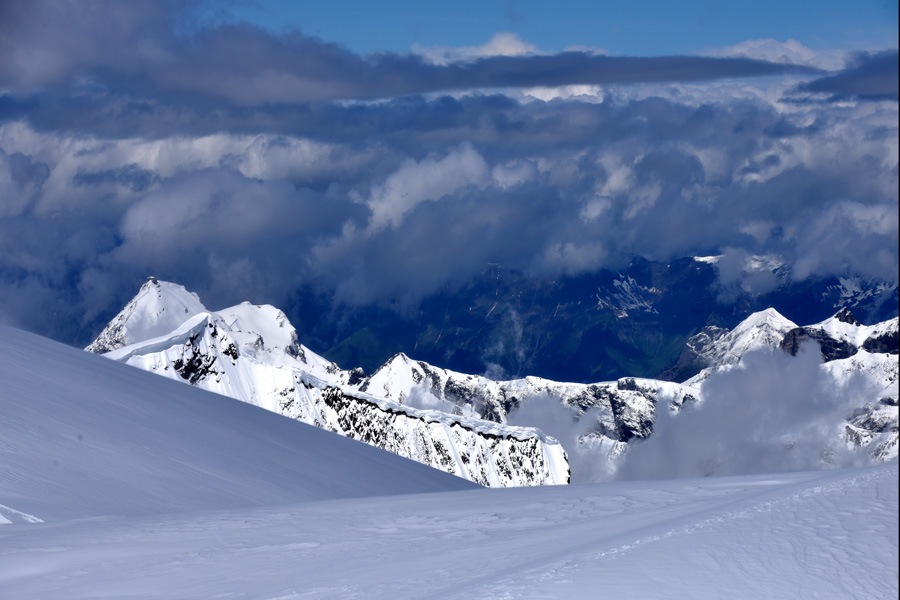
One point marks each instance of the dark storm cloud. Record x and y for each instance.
(133, 47)
(868, 77)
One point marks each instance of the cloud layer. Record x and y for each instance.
(134, 47)
(774, 413)
(134, 142)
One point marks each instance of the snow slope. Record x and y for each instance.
(82, 436)
(115, 483)
(820, 535)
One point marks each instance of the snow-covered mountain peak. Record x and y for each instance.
(405, 380)
(252, 353)
(263, 329)
(762, 329)
(844, 327)
(157, 309)
(842, 336)
(765, 318)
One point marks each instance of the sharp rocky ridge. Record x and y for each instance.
(459, 422)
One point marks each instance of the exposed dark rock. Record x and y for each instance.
(886, 343)
(356, 376)
(627, 383)
(831, 349)
(845, 316)
(195, 366)
(629, 423)
(231, 351)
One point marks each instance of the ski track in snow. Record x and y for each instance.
(780, 511)
(18, 514)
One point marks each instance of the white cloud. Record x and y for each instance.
(514, 173)
(594, 208)
(501, 44)
(790, 52)
(428, 179)
(573, 258)
(583, 93)
(772, 413)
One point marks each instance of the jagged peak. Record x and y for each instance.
(157, 308)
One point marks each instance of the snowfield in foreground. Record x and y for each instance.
(117, 483)
(804, 535)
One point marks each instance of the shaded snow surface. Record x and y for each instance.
(83, 436)
(163, 497)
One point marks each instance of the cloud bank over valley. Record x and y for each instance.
(245, 164)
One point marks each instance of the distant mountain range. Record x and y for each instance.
(632, 321)
(252, 353)
(459, 422)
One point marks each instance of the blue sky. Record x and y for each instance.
(245, 162)
(622, 27)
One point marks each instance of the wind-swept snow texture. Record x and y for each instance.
(81, 436)
(252, 353)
